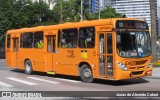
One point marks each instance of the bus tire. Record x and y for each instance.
(28, 67)
(86, 74)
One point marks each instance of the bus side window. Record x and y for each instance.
(109, 43)
(69, 38)
(49, 45)
(8, 40)
(38, 40)
(101, 43)
(59, 39)
(21, 40)
(87, 37)
(28, 40)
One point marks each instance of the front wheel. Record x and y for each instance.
(86, 74)
(28, 67)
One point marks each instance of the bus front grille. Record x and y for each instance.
(141, 62)
(137, 73)
(136, 67)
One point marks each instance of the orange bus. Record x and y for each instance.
(114, 49)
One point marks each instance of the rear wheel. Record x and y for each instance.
(28, 67)
(86, 74)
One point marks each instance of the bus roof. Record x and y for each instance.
(85, 23)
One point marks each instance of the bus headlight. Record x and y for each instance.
(122, 66)
(149, 65)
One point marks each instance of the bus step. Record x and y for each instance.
(51, 73)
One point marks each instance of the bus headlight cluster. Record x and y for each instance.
(149, 65)
(122, 66)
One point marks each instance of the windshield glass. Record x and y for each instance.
(133, 44)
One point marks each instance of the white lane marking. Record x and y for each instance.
(21, 81)
(67, 80)
(39, 79)
(5, 84)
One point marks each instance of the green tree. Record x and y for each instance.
(23, 13)
(6, 9)
(70, 11)
(15, 14)
(73, 11)
(107, 12)
(59, 10)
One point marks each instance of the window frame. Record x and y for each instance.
(8, 39)
(21, 40)
(77, 33)
(38, 32)
(94, 31)
(109, 43)
(32, 46)
(59, 37)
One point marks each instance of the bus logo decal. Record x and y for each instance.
(70, 54)
(131, 63)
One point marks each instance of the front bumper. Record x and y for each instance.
(121, 74)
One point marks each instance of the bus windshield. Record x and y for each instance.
(133, 44)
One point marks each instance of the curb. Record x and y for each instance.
(153, 77)
(2, 60)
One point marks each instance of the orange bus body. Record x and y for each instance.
(69, 61)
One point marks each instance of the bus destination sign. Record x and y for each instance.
(131, 24)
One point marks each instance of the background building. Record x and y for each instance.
(93, 5)
(111, 3)
(158, 15)
(133, 8)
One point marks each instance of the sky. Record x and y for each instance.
(158, 2)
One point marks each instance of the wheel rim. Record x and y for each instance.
(87, 73)
(28, 67)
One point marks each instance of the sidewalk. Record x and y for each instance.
(2, 60)
(156, 72)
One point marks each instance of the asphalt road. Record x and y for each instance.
(17, 80)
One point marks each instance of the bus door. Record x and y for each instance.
(106, 54)
(8, 49)
(14, 55)
(51, 49)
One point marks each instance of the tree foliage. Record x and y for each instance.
(108, 12)
(17, 14)
(23, 13)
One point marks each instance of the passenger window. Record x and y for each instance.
(59, 39)
(8, 40)
(28, 40)
(21, 41)
(69, 38)
(101, 43)
(49, 45)
(15, 44)
(109, 43)
(87, 37)
(38, 40)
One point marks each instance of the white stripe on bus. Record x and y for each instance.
(39, 79)
(21, 81)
